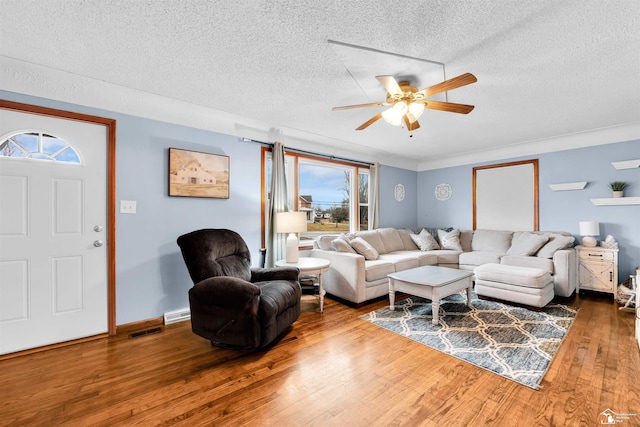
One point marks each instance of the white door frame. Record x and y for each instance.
(110, 125)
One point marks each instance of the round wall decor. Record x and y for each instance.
(443, 191)
(398, 192)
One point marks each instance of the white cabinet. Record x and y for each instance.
(597, 269)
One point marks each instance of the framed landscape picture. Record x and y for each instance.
(196, 174)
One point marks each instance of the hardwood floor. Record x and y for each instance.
(331, 369)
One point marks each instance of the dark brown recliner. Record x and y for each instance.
(232, 304)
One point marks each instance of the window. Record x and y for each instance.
(323, 189)
(38, 146)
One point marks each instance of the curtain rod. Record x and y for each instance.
(311, 153)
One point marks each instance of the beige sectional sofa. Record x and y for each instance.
(359, 270)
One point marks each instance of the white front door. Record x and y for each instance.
(53, 231)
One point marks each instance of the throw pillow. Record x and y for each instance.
(491, 240)
(324, 242)
(556, 242)
(526, 244)
(342, 244)
(425, 241)
(450, 239)
(364, 248)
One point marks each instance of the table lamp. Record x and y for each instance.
(292, 223)
(589, 229)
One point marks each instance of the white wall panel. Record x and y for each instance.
(67, 284)
(14, 191)
(67, 206)
(14, 290)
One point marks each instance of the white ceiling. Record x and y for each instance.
(551, 74)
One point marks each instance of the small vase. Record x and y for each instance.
(617, 194)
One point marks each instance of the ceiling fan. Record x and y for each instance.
(407, 102)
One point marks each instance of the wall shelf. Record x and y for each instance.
(627, 164)
(568, 186)
(616, 201)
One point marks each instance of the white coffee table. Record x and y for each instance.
(311, 267)
(430, 282)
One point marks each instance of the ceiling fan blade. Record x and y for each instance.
(369, 122)
(454, 83)
(390, 85)
(449, 106)
(347, 107)
(411, 125)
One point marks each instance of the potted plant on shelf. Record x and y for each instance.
(618, 188)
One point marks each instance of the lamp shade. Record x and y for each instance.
(589, 229)
(291, 222)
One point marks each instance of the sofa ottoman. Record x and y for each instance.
(522, 285)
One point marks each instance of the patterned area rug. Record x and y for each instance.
(513, 342)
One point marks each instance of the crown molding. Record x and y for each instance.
(49, 83)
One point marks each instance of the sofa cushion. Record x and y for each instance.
(425, 241)
(391, 239)
(444, 256)
(491, 240)
(364, 248)
(408, 244)
(526, 244)
(373, 238)
(424, 258)
(555, 243)
(377, 269)
(342, 244)
(479, 257)
(450, 239)
(521, 276)
(528, 261)
(401, 261)
(466, 236)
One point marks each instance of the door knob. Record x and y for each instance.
(98, 243)
(97, 228)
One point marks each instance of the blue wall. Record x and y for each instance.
(152, 279)
(395, 213)
(151, 275)
(558, 210)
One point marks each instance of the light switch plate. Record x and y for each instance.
(127, 206)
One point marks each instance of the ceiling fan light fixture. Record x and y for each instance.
(390, 116)
(408, 104)
(395, 114)
(416, 109)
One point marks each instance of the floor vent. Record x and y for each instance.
(177, 316)
(146, 332)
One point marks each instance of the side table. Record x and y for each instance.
(597, 269)
(311, 267)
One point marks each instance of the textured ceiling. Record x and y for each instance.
(545, 69)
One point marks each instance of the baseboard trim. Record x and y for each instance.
(123, 331)
(136, 328)
(52, 346)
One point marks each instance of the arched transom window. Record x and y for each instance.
(38, 146)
